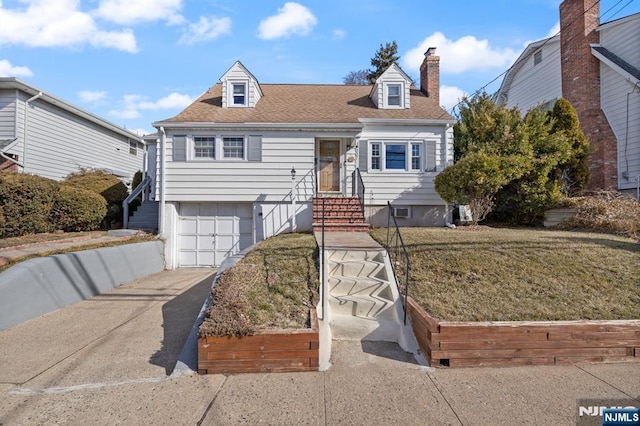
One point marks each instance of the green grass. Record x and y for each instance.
(274, 286)
(487, 274)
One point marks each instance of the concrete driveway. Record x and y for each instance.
(107, 361)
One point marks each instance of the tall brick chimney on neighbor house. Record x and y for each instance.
(430, 75)
(581, 86)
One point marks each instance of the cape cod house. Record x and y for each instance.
(246, 160)
(597, 68)
(44, 135)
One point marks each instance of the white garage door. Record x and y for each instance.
(210, 232)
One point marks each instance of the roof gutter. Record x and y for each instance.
(260, 126)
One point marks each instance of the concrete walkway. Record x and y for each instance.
(106, 361)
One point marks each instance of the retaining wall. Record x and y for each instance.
(465, 344)
(37, 286)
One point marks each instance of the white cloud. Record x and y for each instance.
(46, 23)
(92, 95)
(458, 56)
(135, 11)
(206, 29)
(450, 96)
(338, 34)
(131, 105)
(8, 70)
(292, 19)
(555, 30)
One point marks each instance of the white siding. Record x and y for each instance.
(406, 188)
(620, 100)
(537, 84)
(223, 180)
(60, 143)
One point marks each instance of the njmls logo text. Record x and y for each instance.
(599, 410)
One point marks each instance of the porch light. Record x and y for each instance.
(293, 173)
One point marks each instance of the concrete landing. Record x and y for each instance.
(347, 241)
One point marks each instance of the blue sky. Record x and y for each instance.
(134, 62)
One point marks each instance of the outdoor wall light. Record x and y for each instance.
(293, 173)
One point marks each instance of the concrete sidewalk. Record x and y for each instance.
(106, 361)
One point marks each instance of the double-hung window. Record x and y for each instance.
(204, 146)
(393, 95)
(233, 147)
(239, 93)
(396, 156)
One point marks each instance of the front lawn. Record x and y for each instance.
(497, 274)
(274, 286)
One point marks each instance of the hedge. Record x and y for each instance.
(26, 201)
(78, 209)
(105, 184)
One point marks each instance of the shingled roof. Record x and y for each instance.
(292, 103)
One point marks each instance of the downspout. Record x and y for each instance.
(163, 139)
(25, 128)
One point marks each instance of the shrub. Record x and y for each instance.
(136, 202)
(473, 180)
(77, 209)
(26, 202)
(105, 184)
(605, 211)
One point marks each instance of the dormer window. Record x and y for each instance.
(239, 94)
(393, 95)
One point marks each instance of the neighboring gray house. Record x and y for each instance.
(44, 135)
(224, 164)
(597, 68)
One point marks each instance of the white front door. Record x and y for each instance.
(211, 232)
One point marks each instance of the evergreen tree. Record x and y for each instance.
(384, 57)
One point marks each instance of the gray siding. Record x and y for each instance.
(60, 143)
(620, 100)
(537, 84)
(7, 114)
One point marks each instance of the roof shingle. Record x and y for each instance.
(291, 103)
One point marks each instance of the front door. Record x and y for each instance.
(329, 166)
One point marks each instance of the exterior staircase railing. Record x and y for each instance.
(146, 182)
(400, 262)
(357, 187)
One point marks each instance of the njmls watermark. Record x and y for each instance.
(608, 412)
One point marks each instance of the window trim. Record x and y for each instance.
(400, 95)
(231, 97)
(223, 157)
(408, 152)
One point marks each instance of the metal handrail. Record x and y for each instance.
(399, 258)
(137, 191)
(322, 266)
(357, 187)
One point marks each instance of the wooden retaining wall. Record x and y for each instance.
(267, 351)
(466, 344)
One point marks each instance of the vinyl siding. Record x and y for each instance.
(268, 180)
(406, 188)
(60, 143)
(623, 38)
(537, 84)
(7, 114)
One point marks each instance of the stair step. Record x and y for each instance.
(342, 227)
(344, 327)
(358, 269)
(356, 255)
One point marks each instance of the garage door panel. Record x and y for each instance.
(188, 226)
(210, 232)
(188, 258)
(206, 226)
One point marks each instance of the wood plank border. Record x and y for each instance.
(267, 351)
(504, 343)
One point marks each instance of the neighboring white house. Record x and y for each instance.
(597, 68)
(44, 135)
(224, 178)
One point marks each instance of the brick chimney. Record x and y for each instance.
(581, 86)
(430, 75)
